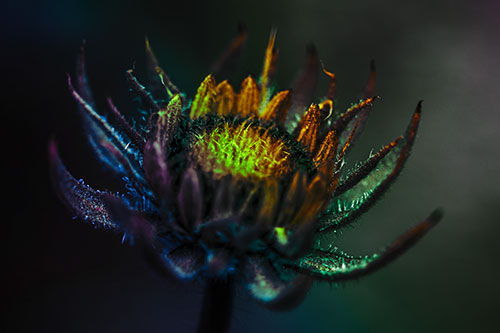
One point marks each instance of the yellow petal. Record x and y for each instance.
(168, 120)
(204, 98)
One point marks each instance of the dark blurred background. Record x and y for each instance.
(63, 276)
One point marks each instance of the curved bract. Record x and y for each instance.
(238, 181)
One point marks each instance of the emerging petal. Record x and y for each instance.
(204, 98)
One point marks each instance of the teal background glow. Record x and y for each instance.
(65, 277)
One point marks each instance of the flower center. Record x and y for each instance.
(241, 151)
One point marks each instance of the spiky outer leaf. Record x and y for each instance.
(130, 221)
(85, 202)
(99, 131)
(355, 116)
(137, 139)
(364, 192)
(140, 91)
(159, 83)
(335, 265)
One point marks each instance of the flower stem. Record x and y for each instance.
(217, 307)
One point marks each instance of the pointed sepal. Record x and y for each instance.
(86, 203)
(157, 148)
(130, 221)
(99, 130)
(335, 265)
(365, 186)
(140, 91)
(190, 200)
(160, 81)
(304, 88)
(137, 139)
(356, 114)
(82, 82)
(225, 65)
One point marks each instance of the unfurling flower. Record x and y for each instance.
(239, 184)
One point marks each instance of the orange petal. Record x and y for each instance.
(314, 199)
(348, 142)
(224, 98)
(269, 201)
(247, 101)
(307, 130)
(268, 68)
(340, 157)
(325, 157)
(277, 108)
(326, 103)
(293, 198)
